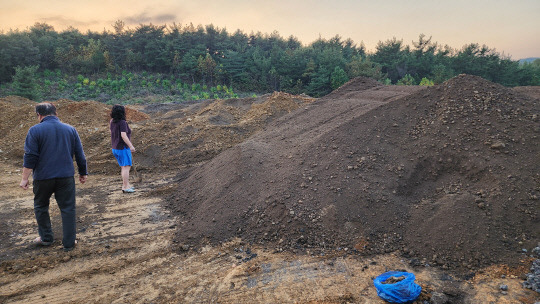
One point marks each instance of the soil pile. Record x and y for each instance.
(177, 135)
(180, 135)
(90, 118)
(352, 87)
(448, 175)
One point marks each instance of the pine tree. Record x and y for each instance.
(24, 82)
(338, 78)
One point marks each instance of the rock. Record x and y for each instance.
(439, 298)
(503, 287)
(498, 145)
(533, 278)
(536, 251)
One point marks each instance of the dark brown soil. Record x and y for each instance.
(448, 175)
(393, 280)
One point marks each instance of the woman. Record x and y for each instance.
(121, 144)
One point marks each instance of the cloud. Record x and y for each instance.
(145, 18)
(64, 22)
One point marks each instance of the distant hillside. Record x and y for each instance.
(528, 60)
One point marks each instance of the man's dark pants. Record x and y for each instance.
(64, 193)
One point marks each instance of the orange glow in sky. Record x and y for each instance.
(511, 27)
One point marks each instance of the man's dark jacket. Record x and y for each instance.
(49, 149)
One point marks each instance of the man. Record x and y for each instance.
(48, 154)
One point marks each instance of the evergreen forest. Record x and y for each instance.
(165, 63)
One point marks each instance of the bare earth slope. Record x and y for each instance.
(447, 174)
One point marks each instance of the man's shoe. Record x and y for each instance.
(66, 249)
(39, 242)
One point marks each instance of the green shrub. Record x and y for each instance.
(426, 82)
(338, 78)
(406, 80)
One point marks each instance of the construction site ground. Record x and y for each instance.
(165, 244)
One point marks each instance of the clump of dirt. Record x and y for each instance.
(393, 280)
(447, 175)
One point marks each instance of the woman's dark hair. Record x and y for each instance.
(118, 113)
(45, 109)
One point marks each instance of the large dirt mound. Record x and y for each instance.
(180, 135)
(449, 174)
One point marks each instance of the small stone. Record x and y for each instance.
(439, 298)
(503, 287)
(498, 145)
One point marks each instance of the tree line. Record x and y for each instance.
(211, 56)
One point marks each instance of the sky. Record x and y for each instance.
(511, 27)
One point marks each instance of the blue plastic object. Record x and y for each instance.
(403, 291)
